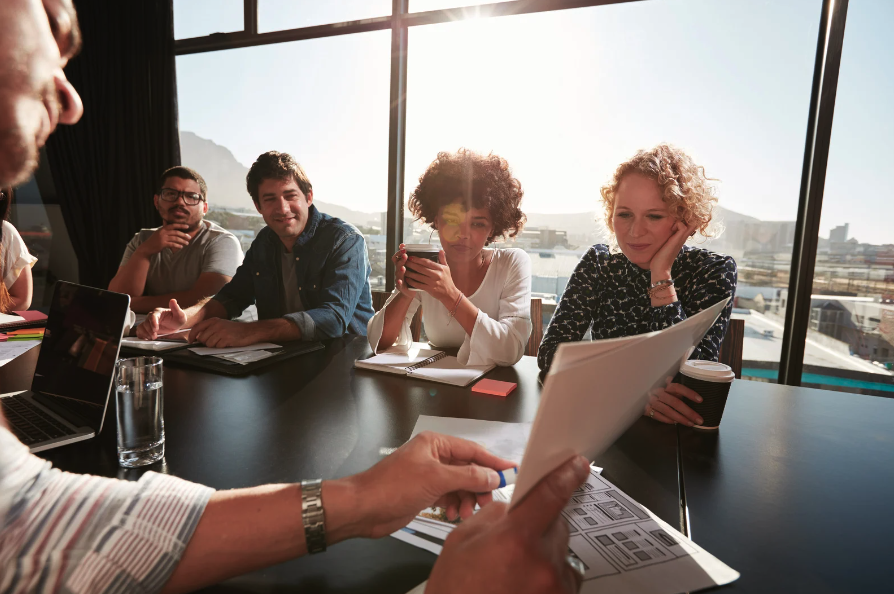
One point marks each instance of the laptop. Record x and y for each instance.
(70, 390)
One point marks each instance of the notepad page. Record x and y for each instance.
(449, 371)
(397, 358)
(10, 319)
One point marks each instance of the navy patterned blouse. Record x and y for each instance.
(612, 293)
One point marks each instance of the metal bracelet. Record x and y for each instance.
(312, 516)
(661, 285)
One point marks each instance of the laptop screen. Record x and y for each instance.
(79, 350)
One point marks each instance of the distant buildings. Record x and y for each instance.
(838, 234)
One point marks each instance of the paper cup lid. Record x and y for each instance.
(709, 371)
(421, 247)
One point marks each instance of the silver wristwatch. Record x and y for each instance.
(312, 515)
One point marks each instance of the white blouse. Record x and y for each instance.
(14, 255)
(503, 325)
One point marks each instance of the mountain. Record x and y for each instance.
(225, 177)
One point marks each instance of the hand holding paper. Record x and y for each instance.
(429, 470)
(593, 394)
(498, 541)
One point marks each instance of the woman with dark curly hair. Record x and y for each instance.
(473, 298)
(655, 202)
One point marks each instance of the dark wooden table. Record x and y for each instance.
(316, 416)
(795, 491)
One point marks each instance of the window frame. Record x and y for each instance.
(827, 64)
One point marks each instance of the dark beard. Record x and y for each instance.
(189, 230)
(19, 158)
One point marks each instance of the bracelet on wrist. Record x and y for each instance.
(312, 516)
(455, 307)
(662, 285)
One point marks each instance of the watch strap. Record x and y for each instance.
(312, 516)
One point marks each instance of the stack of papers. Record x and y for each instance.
(242, 355)
(164, 342)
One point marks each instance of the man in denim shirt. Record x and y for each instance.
(306, 271)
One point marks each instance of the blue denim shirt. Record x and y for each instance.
(332, 270)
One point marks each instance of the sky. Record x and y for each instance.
(563, 96)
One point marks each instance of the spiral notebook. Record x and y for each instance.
(427, 364)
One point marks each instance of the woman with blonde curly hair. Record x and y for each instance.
(473, 298)
(653, 204)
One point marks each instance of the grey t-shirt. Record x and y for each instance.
(213, 249)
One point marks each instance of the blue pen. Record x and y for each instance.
(507, 477)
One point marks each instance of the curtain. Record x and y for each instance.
(105, 168)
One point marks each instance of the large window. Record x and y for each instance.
(324, 101)
(566, 96)
(852, 307)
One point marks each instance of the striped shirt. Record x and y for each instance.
(72, 533)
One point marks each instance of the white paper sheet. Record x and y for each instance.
(10, 318)
(586, 405)
(506, 440)
(204, 351)
(623, 546)
(245, 357)
(151, 345)
(11, 350)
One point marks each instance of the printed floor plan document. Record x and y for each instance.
(623, 546)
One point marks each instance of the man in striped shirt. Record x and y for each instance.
(62, 532)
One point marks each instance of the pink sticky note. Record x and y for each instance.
(494, 387)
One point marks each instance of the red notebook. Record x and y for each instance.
(31, 316)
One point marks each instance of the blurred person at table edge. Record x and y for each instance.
(166, 534)
(474, 298)
(655, 202)
(16, 283)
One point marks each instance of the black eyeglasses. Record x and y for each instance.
(172, 195)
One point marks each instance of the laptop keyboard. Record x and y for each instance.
(29, 423)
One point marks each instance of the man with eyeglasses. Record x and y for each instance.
(65, 532)
(187, 258)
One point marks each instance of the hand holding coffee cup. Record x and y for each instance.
(671, 404)
(712, 381)
(424, 251)
(399, 260)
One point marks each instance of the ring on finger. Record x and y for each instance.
(651, 412)
(577, 565)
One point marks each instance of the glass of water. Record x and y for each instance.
(139, 398)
